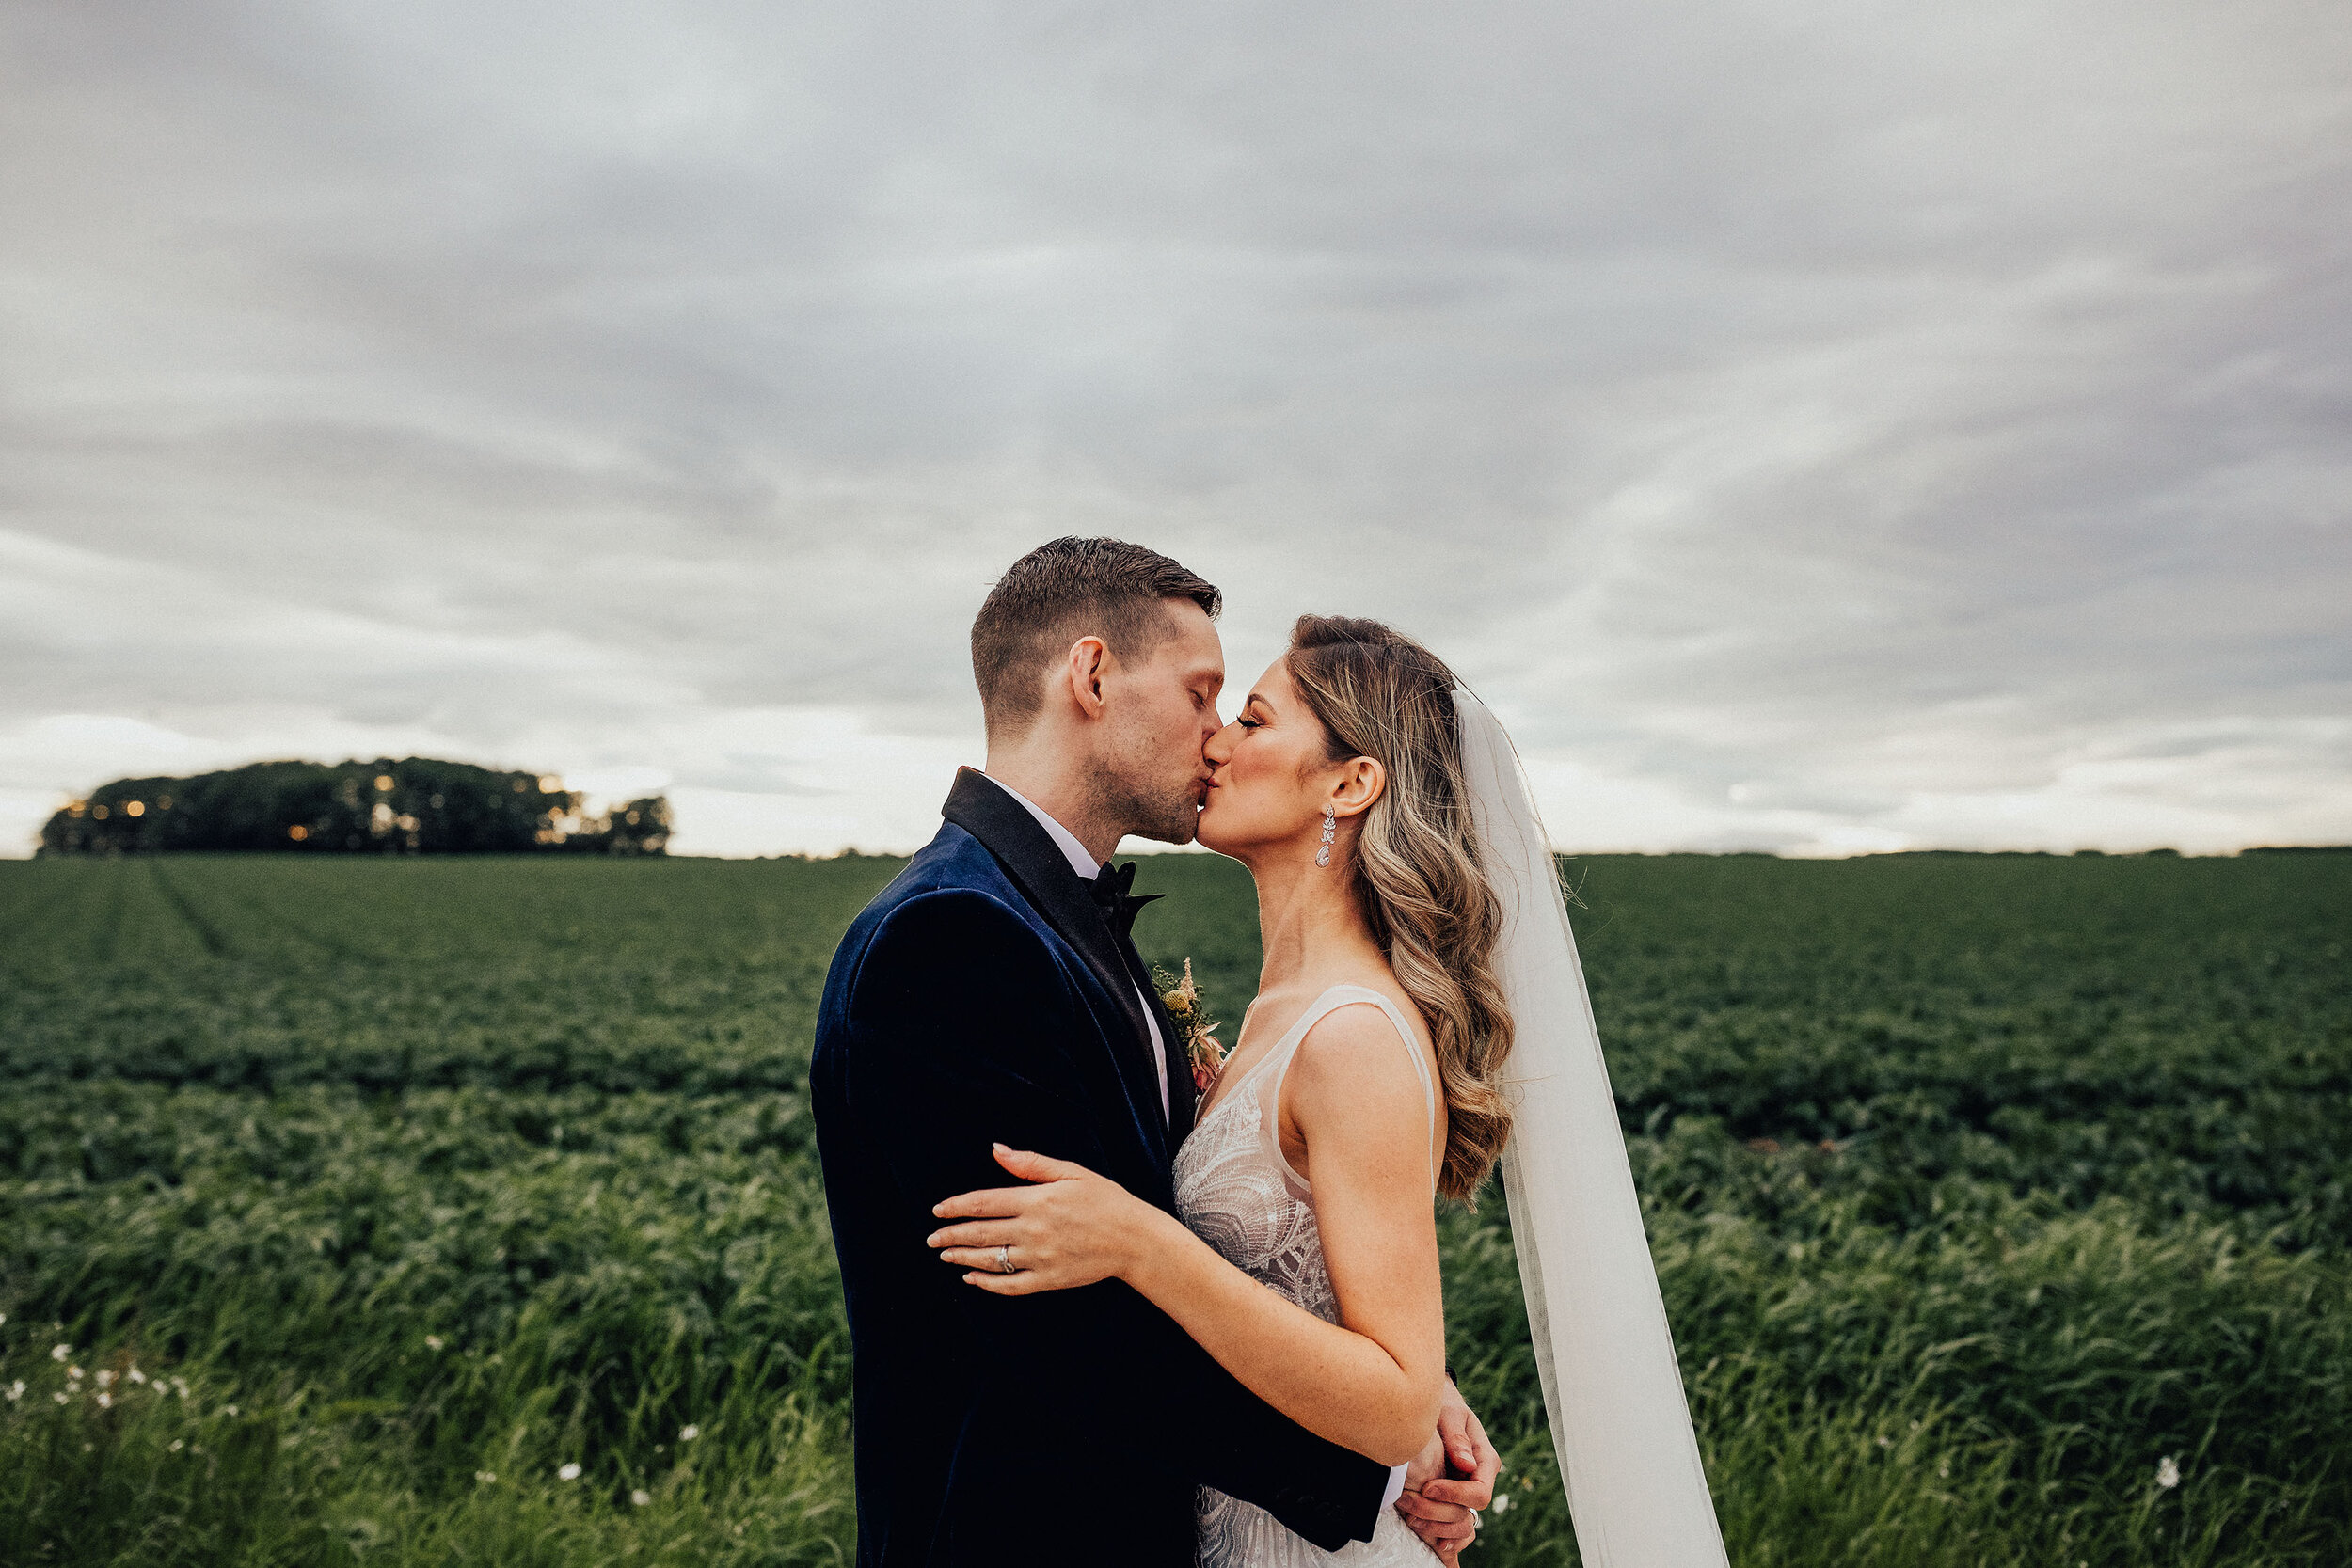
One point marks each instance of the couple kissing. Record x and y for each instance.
(1107, 1310)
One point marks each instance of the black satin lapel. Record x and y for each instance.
(981, 807)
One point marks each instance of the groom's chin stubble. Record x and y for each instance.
(1164, 816)
(1180, 830)
(1179, 824)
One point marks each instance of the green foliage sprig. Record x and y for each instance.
(1197, 1032)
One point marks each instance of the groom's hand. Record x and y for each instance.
(1450, 1480)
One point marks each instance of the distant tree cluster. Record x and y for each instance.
(415, 806)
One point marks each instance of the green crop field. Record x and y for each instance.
(345, 1205)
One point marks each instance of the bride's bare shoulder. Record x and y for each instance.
(1353, 1059)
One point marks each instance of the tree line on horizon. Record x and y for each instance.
(409, 806)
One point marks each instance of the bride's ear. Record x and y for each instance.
(1361, 780)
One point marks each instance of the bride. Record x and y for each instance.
(1403, 894)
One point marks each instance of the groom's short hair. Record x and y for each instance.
(1060, 591)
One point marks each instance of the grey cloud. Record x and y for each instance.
(1858, 405)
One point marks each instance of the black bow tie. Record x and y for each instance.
(1109, 888)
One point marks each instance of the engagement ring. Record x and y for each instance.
(1004, 1259)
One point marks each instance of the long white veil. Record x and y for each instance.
(1619, 1421)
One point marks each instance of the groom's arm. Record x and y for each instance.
(967, 1035)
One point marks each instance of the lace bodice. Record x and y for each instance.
(1236, 1191)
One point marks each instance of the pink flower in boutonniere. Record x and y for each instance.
(1196, 1030)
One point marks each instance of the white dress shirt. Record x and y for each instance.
(1083, 865)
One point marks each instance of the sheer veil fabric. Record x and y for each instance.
(1611, 1387)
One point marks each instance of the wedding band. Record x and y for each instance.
(1004, 1259)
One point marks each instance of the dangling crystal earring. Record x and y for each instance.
(1331, 831)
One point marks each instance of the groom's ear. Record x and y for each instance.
(1082, 673)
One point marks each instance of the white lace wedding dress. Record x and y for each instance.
(1238, 1194)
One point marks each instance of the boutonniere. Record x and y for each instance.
(1197, 1031)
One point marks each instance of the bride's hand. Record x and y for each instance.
(1074, 1227)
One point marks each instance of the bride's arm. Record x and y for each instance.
(1371, 1382)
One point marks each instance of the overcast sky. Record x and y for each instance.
(1815, 426)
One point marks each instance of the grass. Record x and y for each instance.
(1979, 1188)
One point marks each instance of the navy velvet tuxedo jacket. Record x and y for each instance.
(983, 998)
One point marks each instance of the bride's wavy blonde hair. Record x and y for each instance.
(1419, 877)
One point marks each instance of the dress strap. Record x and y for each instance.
(1321, 1007)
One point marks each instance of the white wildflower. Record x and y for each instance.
(105, 1400)
(433, 1342)
(105, 1378)
(177, 1444)
(567, 1472)
(134, 1375)
(486, 1477)
(60, 1398)
(1501, 1502)
(75, 1373)
(640, 1498)
(2167, 1474)
(1887, 1442)
(16, 1390)
(228, 1410)
(687, 1434)
(58, 1352)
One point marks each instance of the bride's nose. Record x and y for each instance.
(1219, 749)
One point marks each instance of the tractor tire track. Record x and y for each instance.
(216, 941)
(261, 908)
(110, 924)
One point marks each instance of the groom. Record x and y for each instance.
(992, 995)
